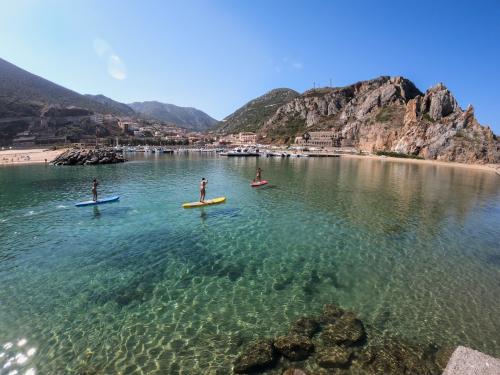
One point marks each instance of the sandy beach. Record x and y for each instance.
(29, 156)
(485, 167)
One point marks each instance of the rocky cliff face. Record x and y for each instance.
(435, 127)
(389, 114)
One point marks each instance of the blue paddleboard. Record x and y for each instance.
(99, 201)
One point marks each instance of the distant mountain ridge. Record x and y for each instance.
(185, 117)
(25, 94)
(112, 105)
(252, 116)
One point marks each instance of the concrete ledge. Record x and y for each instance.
(466, 361)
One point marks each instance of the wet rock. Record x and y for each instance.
(396, 358)
(335, 356)
(294, 347)
(330, 314)
(346, 330)
(281, 282)
(442, 356)
(88, 157)
(294, 371)
(256, 356)
(305, 326)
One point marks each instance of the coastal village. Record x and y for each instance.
(132, 131)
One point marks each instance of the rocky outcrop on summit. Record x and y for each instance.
(387, 114)
(435, 127)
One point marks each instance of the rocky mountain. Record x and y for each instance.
(253, 115)
(184, 117)
(112, 105)
(25, 94)
(387, 114)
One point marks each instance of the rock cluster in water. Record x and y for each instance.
(88, 157)
(336, 342)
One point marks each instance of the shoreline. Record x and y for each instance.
(28, 156)
(495, 168)
(42, 156)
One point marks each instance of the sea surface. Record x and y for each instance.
(144, 286)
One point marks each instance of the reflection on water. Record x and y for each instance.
(150, 287)
(16, 358)
(97, 213)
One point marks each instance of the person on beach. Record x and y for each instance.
(94, 189)
(258, 175)
(203, 189)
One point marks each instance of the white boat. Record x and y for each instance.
(277, 155)
(242, 152)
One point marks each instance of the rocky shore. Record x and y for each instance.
(336, 342)
(78, 156)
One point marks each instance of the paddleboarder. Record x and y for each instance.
(94, 189)
(258, 176)
(203, 189)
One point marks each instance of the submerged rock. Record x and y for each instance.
(393, 358)
(335, 356)
(330, 314)
(257, 356)
(305, 326)
(443, 355)
(294, 371)
(346, 330)
(294, 347)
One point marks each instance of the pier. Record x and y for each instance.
(323, 155)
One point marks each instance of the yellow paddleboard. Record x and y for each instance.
(208, 202)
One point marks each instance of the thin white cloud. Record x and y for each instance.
(101, 47)
(287, 64)
(116, 66)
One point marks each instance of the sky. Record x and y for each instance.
(217, 55)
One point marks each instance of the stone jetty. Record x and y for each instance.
(78, 156)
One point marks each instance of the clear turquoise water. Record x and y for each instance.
(145, 287)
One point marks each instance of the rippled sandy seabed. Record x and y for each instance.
(145, 287)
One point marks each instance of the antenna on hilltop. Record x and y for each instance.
(331, 82)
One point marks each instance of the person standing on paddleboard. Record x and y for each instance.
(94, 189)
(203, 187)
(258, 176)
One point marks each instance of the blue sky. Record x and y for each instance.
(217, 55)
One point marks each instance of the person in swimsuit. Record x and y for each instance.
(258, 176)
(94, 190)
(203, 189)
